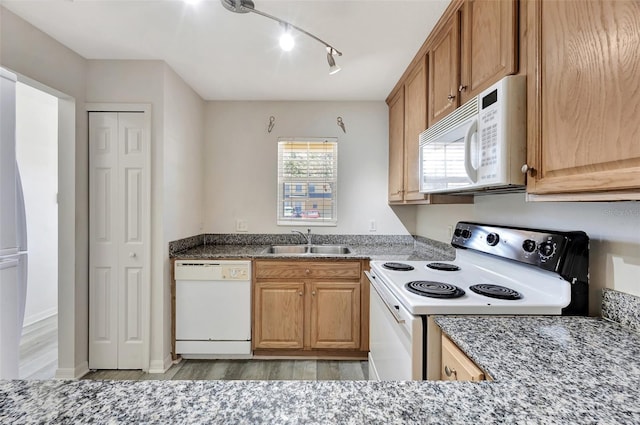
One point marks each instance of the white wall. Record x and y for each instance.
(37, 154)
(241, 162)
(46, 64)
(183, 178)
(613, 227)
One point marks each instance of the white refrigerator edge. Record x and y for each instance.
(13, 235)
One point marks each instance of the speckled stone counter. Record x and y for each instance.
(329, 402)
(379, 247)
(547, 370)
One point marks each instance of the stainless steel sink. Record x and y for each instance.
(286, 249)
(329, 249)
(307, 249)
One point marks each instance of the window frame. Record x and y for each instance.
(282, 179)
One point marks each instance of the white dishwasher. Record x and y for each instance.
(213, 308)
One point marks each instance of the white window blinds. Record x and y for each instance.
(307, 182)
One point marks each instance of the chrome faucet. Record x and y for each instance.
(307, 237)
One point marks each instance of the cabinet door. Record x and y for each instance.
(335, 315)
(456, 366)
(396, 147)
(489, 44)
(444, 70)
(278, 315)
(415, 122)
(583, 96)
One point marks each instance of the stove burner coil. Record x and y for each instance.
(434, 289)
(401, 267)
(443, 266)
(496, 291)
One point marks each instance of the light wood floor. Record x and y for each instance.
(39, 349)
(39, 360)
(248, 370)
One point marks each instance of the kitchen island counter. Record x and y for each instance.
(547, 370)
(322, 402)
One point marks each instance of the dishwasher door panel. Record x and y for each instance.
(213, 310)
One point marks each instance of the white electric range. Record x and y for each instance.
(498, 270)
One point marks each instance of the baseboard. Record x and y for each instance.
(160, 366)
(73, 373)
(35, 318)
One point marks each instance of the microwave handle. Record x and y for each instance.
(471, 131)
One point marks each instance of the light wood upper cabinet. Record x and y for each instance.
(489, 44)
(396, 147)
(407, 119)
(583, 97)
(444, 70)
(475, 48)
(415, 122)
(306, 305)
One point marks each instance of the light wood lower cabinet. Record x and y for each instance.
(310, 307)
(335, 315)
(456, 366)
(278, 314)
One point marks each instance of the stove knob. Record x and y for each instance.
(529, 245)
(457, 232)
(492, 239)
(466, 233)
(547, 249)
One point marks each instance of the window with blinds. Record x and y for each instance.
(307, 182)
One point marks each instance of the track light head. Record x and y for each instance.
(238, 6)
(333, 68)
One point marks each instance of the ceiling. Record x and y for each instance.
(230, 56)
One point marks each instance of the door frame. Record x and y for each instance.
(144, 108)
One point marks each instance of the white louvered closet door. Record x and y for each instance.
(119, 217)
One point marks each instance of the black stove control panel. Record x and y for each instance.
(543, 248)
(565, 253)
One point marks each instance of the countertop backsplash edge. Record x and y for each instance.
(622, 308)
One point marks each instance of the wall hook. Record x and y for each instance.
(272, 122)
(341, 124)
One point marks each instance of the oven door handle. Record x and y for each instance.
(393, 309)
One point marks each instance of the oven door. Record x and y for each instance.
(395, 337)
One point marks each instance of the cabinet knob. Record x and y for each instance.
(132, 254)
(300, 293)
(451, 97)
(526, 169)
(449, 372)
(313, 293)
(462, 88)
(307, 271)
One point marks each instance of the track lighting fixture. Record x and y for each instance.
(286, 41)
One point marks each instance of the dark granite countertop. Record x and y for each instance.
(396, 252)
(379, 247)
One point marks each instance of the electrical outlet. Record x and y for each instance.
(372, 225)
(242, 225)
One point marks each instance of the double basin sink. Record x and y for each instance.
(307, 249)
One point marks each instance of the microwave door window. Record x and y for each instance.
(443, 165)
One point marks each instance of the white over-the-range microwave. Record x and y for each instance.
(481, 145)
